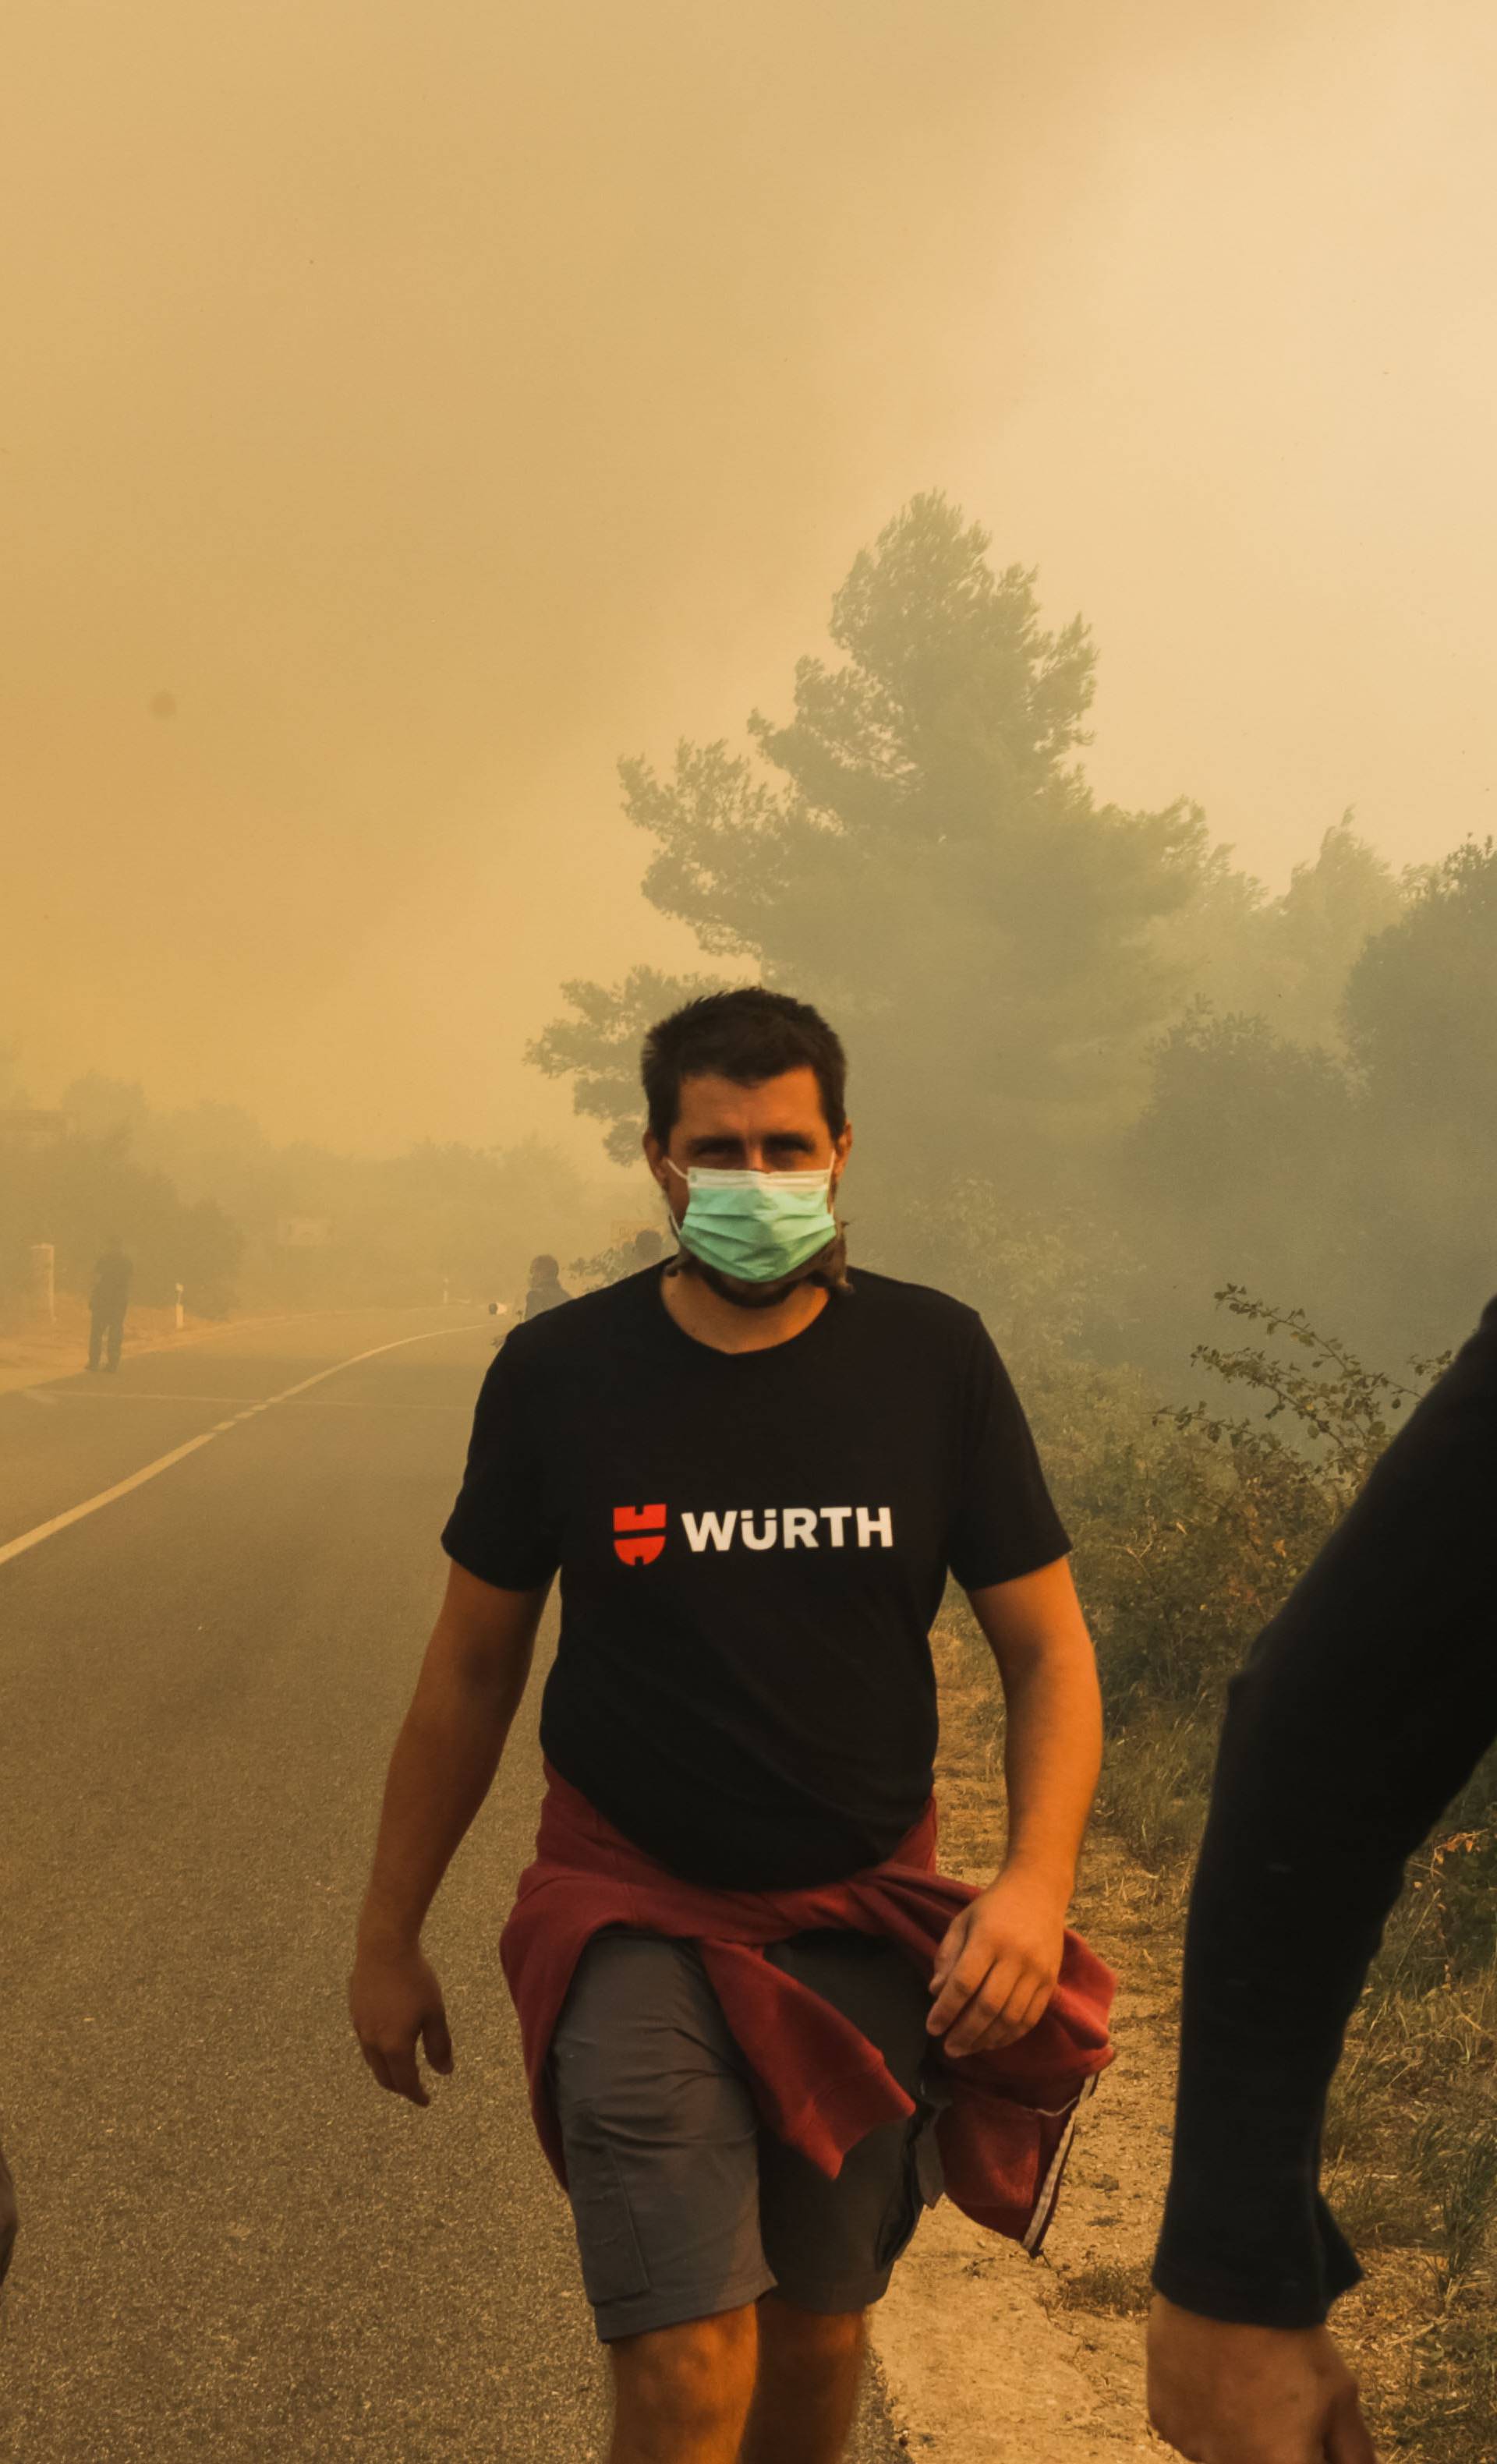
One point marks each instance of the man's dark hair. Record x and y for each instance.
(747, 1035)
(543, 1271)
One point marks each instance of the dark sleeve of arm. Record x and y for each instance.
(502, 1527)
(1005, 1523)
(1363, 1709)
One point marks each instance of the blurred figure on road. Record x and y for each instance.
(546, 1288)
(108, 1302)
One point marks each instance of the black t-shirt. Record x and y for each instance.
(753, 1547)
(1366, 1704)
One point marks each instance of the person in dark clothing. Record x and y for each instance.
(646, 1250)
(754, 1471)
(1364, 1707)
(108, 1302)
(546, 1288)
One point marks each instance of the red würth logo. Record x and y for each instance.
(639, 1533)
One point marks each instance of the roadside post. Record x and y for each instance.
(44, 1292)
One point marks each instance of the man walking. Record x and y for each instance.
(108, 1302)
(757, 2024)
(1365, 1706)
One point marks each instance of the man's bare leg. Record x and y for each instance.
(807, 2387)
(681, 2394)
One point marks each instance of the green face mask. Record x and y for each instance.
(756, 1225)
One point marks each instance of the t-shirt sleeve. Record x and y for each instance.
(500, 1527)
(1005, 1523)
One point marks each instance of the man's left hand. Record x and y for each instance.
(996, 1968)
(1252, 2395)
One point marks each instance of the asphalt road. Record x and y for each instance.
(233, 2246)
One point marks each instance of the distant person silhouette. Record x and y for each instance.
(546, 1288)
(108, 1302)
(634, 1256)
(646, 1250)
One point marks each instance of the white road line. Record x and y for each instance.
(178, 1454)
(323, 1403)
(121, 1395)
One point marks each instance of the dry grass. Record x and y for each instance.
(1109, 2289)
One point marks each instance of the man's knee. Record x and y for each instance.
(796, 2336)
(692, 2376)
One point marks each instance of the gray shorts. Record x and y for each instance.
(684, 2203)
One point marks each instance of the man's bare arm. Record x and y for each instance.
(998, 1965)
(446, 1756)
(1053, 1751)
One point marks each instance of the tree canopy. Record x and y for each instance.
(1091, 1057)
(916, 850)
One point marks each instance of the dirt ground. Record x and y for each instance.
(988, 2354)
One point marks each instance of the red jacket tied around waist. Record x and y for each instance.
(1005, 2117)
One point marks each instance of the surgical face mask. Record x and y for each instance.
(756, 1225)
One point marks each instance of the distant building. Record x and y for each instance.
(304, 1232)
(24, 1127)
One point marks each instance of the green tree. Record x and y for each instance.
(1421, 1017)
(394, 1229)
(1420, 1008)
(1238, 1170)
(1288, 960)
(1192, 1525)
(101, 1106)
(77, 1192)
(1365, 1177)
(916, 849)
(598, 1046)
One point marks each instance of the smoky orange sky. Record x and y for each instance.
(409, 410)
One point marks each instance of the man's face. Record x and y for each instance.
(777, 1126)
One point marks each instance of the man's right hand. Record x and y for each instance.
(395, 2002)
(1251, 2395)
